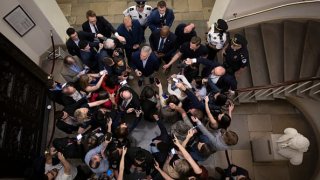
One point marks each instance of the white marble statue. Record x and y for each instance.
(292, 145)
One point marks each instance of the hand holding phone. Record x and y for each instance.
(79, 137)
(157, 80)
(173, 151)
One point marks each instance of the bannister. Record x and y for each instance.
(246, 94)
(273, 8)
(287, 83)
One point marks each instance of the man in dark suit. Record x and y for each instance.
(133, 33)
(128, 100)
(161, 16)
(75, 37)
(99, 25)
(163, 43)
(145, 63)
(218, 79)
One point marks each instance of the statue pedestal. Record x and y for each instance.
(265, 149)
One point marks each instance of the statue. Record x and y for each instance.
(292, 145)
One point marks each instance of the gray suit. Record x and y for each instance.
(68, 73)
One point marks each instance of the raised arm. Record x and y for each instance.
(211, 118)
(196, 168)
(191, 132)
(97, 86)
(184, 80)
(121, 166)
(174, 59)
(66, 165)
(92, 152)
(162, 100)
(213, 140)
(97, 103)
(163, 174)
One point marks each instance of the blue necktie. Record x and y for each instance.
(161, 44)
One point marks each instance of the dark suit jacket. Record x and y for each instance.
(68, 74)
(225, 82)
(135, 37)
(103, 25)
(134, 103)
(72, 47)
(169, 47)
(154, 19)
(151, 66)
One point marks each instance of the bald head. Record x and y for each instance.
(219, 71)
(127, 21)
(126, 95)
(165, 31)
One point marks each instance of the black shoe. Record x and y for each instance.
(151, 80)
(139, 83)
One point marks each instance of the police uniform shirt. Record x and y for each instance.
(215, 40)
(141, 17)
(235, 60)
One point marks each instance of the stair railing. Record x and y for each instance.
(271, 9)
(300, 86)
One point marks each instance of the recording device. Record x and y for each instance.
(173, 86)
(157, 80)
(79, 137)
(173, 151)
(109, 172)
(124, 82)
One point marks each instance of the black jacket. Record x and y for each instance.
(72, 47)
(103, 25)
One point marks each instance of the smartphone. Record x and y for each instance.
(175, 80)
(173, 151)
(109, 172)
(79, 137)
(123, 82)
(157, 80)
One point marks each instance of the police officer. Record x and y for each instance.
(236, 54)
(217, 38)
(139, 12)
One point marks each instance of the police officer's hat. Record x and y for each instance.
(221, 25)
(239, 40)
(140, 2)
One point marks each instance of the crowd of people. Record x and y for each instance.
(100, 109)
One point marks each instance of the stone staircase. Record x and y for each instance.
(283, 51)
(279, 52)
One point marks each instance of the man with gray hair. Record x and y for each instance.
(145, 63)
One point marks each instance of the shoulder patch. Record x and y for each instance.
(149, 8)
(244, 61)
(131, 9)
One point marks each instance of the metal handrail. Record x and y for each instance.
(276, 85)
(273, 8)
